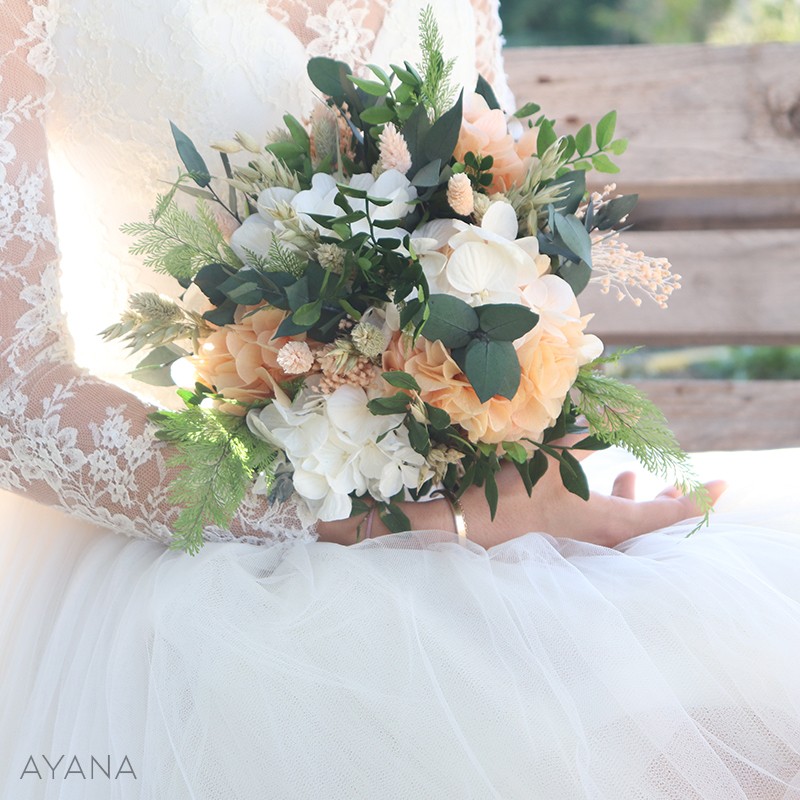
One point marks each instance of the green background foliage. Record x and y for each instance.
(575, 22)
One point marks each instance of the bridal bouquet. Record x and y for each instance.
(381, 301)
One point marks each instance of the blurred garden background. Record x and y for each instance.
(581, 22)
(615, 22)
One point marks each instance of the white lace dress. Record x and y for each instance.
(272, 665)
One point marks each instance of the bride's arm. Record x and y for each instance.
(604, 520)
(66, 438)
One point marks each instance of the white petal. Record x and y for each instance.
(335, 506)
(255, 235)
(501, 219)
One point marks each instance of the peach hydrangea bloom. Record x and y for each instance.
(549, 356)
(241, 360)
(484, 131)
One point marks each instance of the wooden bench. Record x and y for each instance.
(715, 157)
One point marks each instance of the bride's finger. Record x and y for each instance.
(670, 491)
(625, 486)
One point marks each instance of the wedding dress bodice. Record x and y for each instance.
(110, 76)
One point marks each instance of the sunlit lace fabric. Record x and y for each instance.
(86, 88)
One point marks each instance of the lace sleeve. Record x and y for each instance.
(66, 438)
(489, 49)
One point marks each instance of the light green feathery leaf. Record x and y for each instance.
(218, 459)
(178, 243)
(621, 415)
(437, 86)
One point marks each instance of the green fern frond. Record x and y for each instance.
(437, 85)
(621, 415)
(281, 259)
(218, 458)
(178, 243)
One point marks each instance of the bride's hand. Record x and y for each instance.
(603, 520)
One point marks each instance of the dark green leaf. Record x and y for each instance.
(289, 328)
(573, 476)
(244, 294)
(370, 87)
(285, 150)
(439, 418)
(505, 322)
(328, 75)
(406, 77)
(490, 490)
(383, 406)
(577, 275)
(537, 466)
(298, 132)
(401, 380)
(223, 315)
(605, 130)
(569, 202)
(418, 436)
(591, 443)
(394, 519)
(191, 159)
(574, 236)
(451, 321)
(210, 278)
(414, 132)
(428, 175)
(484, 89)
(613, 212)
(377, 115)
(492, 368)
(441, 140)
(308, 314)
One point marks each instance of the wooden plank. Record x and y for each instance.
(729, 415)
(717, 124)
(738, 287)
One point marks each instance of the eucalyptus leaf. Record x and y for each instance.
(505, 322)
(210, 278)
(441, 140)
(574, 236)
(191, 159)
(577, 275)
(451, 321)
(377, 115)
(572, 475)
(428, 175)
(418, 436)
(438, 417)
(484, 89)
(614, 211)
(384, 406)
(154, 368)
(373, 88)
(308, 314)
(223, 315)
(492, 368)
(547, 137)
(574, 190)
(401, 380)
(328, 76)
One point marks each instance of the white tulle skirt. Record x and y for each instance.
(407, 667)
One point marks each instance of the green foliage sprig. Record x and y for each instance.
(437, 86)
(178, 243)
(218, 459)
(621, 415)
